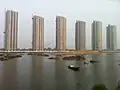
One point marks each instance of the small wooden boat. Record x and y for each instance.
(52, 58)
(75, 68)
(30, 54)
(3, 59)
(86, 63)
(46, 55)
(92, 61)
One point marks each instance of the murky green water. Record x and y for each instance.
(39, 73)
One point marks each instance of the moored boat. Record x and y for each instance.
(75, 68)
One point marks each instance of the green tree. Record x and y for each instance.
(118, 86)
(99, 87)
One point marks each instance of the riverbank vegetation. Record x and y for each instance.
(103, 87)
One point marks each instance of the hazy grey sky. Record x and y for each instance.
(107, 11)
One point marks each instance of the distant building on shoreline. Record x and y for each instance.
(80, 35)
(61, 33)
(111, 37)
(11, 30)
(96, 35)
(38, 33)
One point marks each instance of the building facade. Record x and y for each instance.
(60, 33)
(11, 30)
(96, 35)
(38, 33)
(111, 38)
(80, 35)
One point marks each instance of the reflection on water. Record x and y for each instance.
(1, 73)
(39, 73)
(111, 71)
(8, 78)
(96, 70)
(60, 75)
(23, 73)
(105, 71)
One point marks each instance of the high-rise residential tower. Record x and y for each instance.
(111, 38)
(96, 35)
(80, 35)
(60, 33)
(38, 33)
(11, 30)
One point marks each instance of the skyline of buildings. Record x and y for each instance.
(11, 33)
(80, 35)
(38, 33)
(11, 30)
(111, 43)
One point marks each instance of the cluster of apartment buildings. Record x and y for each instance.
(11, 33)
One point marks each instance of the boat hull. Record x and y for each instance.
(74, 68)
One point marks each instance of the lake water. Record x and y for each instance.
(39, 73)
